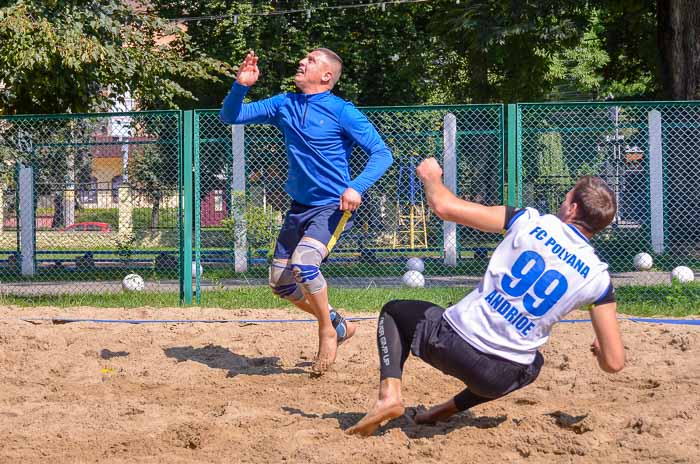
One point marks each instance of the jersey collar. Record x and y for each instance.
(315, 96)
(578, 232)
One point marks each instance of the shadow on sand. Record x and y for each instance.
(406, 423)
(218, 357)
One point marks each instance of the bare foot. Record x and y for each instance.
(439, 413)
(383, 410)
(327, 349)
(351, 329)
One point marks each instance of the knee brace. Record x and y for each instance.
(305, 264)
(282, 281)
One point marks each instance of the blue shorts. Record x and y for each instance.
(323, 223)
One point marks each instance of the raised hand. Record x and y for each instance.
(429, 170)
(248, 71)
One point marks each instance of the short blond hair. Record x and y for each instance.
(335, 61)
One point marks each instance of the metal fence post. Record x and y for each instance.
(238, 200)
(27, 219)
(2, 207)
(187, 196)
(512, 158)
(197, 210)
(656, 182)
(449, 159)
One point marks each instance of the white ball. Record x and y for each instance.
(413, 279)
(133, 283)
(643, 261)
(682, 274)
(194, 269)
(415, 264)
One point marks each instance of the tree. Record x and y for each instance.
(82, 55)
(72, 56)
(629, 39)
(553, 175)
(385, 50)
(678, 23)
(153, 174)
(577, 70)
(503, 49)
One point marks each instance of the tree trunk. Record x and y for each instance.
(678, 39)
(678, 36)
(481, 91)
(155, 212)
(58, 216)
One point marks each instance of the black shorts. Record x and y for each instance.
(489, 376)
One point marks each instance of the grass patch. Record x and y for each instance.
(676, 300)
(101, 300)
(141, 217)
(74, 274)
(659, 300)
(393, 268)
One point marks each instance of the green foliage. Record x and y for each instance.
(385, 51)
(153, 176)
(554, 178)
(502, 49)
(108, 215)
(260, 226)
(78, 55)
(125, 246)
(630, 40)
(577, 70)
(8, 156)
(81, 55)
(440, 52)
(141, 217)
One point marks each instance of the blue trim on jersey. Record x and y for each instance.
(605, 294)
(320, 131)
(578, 232)
(517, 215)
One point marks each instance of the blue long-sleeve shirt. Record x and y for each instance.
(319, 132)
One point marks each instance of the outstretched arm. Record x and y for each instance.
(450, 208)
(234, 111)
(607, 347)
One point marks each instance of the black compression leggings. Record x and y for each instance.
(395, 332)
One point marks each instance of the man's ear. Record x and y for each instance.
(574, 211)
(327, 77)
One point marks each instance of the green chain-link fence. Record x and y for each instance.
(242, 202)
(87, 199)
(647, 152)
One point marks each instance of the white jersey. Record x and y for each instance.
(542, 270)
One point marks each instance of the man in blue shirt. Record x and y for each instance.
(320, 131)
